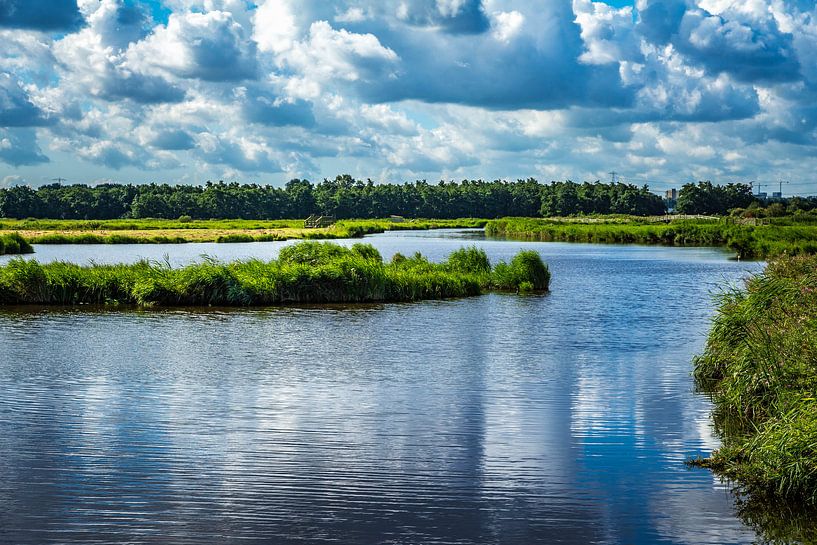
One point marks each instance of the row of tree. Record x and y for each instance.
(345, 197)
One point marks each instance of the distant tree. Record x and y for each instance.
(706, 198)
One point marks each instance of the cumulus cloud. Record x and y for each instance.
(16, 107)
(240, 152)
(172, 139)
(747, 45)
(18, 147)
(454, 16)
(412, 88)
(208, 46)
(44, 15)
(269, 109)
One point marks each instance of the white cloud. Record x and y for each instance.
(417, 88)
(209, 46)
(507, 24)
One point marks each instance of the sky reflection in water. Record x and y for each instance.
(555, 418)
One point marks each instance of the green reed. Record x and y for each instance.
(747, 241)
(760, 367)
(13, 243)
(308, 272)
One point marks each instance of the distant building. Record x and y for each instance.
(671, 194)
(777, 195)
(763, 196)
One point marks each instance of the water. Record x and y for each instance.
(559, 418)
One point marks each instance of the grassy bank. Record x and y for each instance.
(13, 243)
(760, 367)
(308, 272)
(747, 241)
(148, 231)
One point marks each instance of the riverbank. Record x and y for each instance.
(308, 272)
(784, 236)
(157, 231)
(760, 367)
(13, 243)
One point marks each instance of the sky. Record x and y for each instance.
(660, 91)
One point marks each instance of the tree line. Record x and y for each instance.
(346, 197)
(342, 197)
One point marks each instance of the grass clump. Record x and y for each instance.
(13, 243)
(760, 367)
(307, 272)
(526, 272)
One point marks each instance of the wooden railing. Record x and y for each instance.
(315, 222)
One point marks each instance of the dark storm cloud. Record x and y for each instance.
(45, 15)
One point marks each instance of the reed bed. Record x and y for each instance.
(308, 272)
(760, 367)
(156, 231)
(748, 241)
(13, 243)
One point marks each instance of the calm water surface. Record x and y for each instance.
(559, 418)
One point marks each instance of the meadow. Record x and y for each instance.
(307, 272)
(760, 367)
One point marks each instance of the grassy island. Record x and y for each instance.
(161, 231)
(760, 367)
(13, 243)
(307, 272)
(750, 240)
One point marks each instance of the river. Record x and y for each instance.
(557, 418)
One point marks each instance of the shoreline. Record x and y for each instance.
(759, 367)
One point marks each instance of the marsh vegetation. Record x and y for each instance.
(781, 236)
(13, 243)
(158, 231)
(760, 367)
(307, 272)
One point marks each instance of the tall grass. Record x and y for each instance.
(155, 231)
(760, 367)
(13, 243)
(308, 272)
(748, 242)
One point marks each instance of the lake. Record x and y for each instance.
(558, 418)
